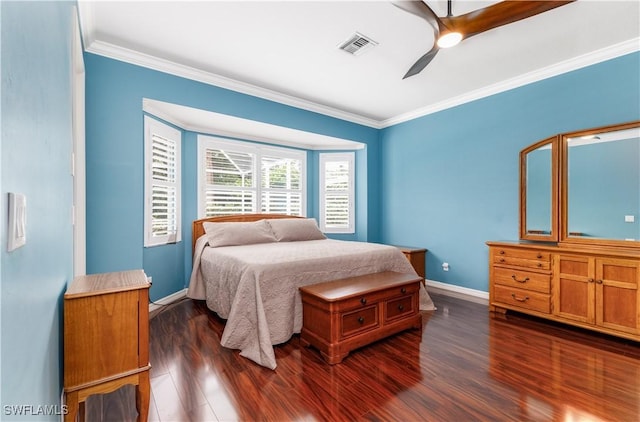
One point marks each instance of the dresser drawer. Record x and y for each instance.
(522, 258)
(359, 320)
(520, 298)
(521, 254)
(522, 279)
(520, 262)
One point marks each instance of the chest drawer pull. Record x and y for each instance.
(539, 256)
(403, 290)
(501, 252)
(361, 320)
(513, 295)
(520, 281)
(401, 307)
(363, 300)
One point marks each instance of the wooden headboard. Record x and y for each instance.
(197, 228)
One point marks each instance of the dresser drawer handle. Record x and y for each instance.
(363, 301)
(513, 276)
(501, 259)
(539, 264)
(401, 307)
(403, 290)
(361, 320)
(513, 295)
(539, 256)
(599, 281)
(501, 252)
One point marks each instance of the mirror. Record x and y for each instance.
(601, 186)
(538, 191)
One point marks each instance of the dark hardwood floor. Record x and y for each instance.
(467, 365)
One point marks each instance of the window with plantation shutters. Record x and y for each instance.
(162, 183)
(242, 178)
(337, 192)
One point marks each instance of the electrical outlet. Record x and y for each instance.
(445, 266)
(150, 280)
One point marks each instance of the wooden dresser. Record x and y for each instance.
(597, 289)
(342, 315)
(106, 338)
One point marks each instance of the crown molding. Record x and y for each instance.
(176, 69)
(151, 62)
(566, 66)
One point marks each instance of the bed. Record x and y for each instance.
(248, 269)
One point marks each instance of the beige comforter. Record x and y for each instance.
(255, 287)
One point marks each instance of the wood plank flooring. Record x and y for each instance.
(467, 365)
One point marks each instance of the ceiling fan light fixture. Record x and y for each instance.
(449, 39)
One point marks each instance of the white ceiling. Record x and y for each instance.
(287, 51)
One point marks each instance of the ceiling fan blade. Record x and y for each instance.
(420, 9)
(422, 62)
(498, 14)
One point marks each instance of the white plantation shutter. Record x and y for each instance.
(241, 178)
(337, 192)
(281, 185)
(229, 187)
(162, 183)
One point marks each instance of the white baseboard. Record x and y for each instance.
(465, 293)
(167, 300)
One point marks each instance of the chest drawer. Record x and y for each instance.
(359, 320)
(398, 307)
(522, 279)
(520, 298)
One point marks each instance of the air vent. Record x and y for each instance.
(357, 44)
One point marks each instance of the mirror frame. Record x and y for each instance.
(524, 233)
(564, 186)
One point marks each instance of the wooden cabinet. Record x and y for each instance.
(106, 338)
(342, 315)
(597, 289)
(416, 257)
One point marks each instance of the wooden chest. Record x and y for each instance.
(342, 315)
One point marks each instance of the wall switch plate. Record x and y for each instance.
(17, 233)
(629, 218)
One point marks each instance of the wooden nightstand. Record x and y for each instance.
(417, 258)
(106, 338)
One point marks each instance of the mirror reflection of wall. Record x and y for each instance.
(539, 190)
(604, 186)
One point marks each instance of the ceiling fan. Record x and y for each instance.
(450, 30)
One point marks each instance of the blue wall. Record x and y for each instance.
(114, 154)
(36, 161)
(450, 179)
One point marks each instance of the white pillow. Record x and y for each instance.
(294, 229)
(240, 233)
